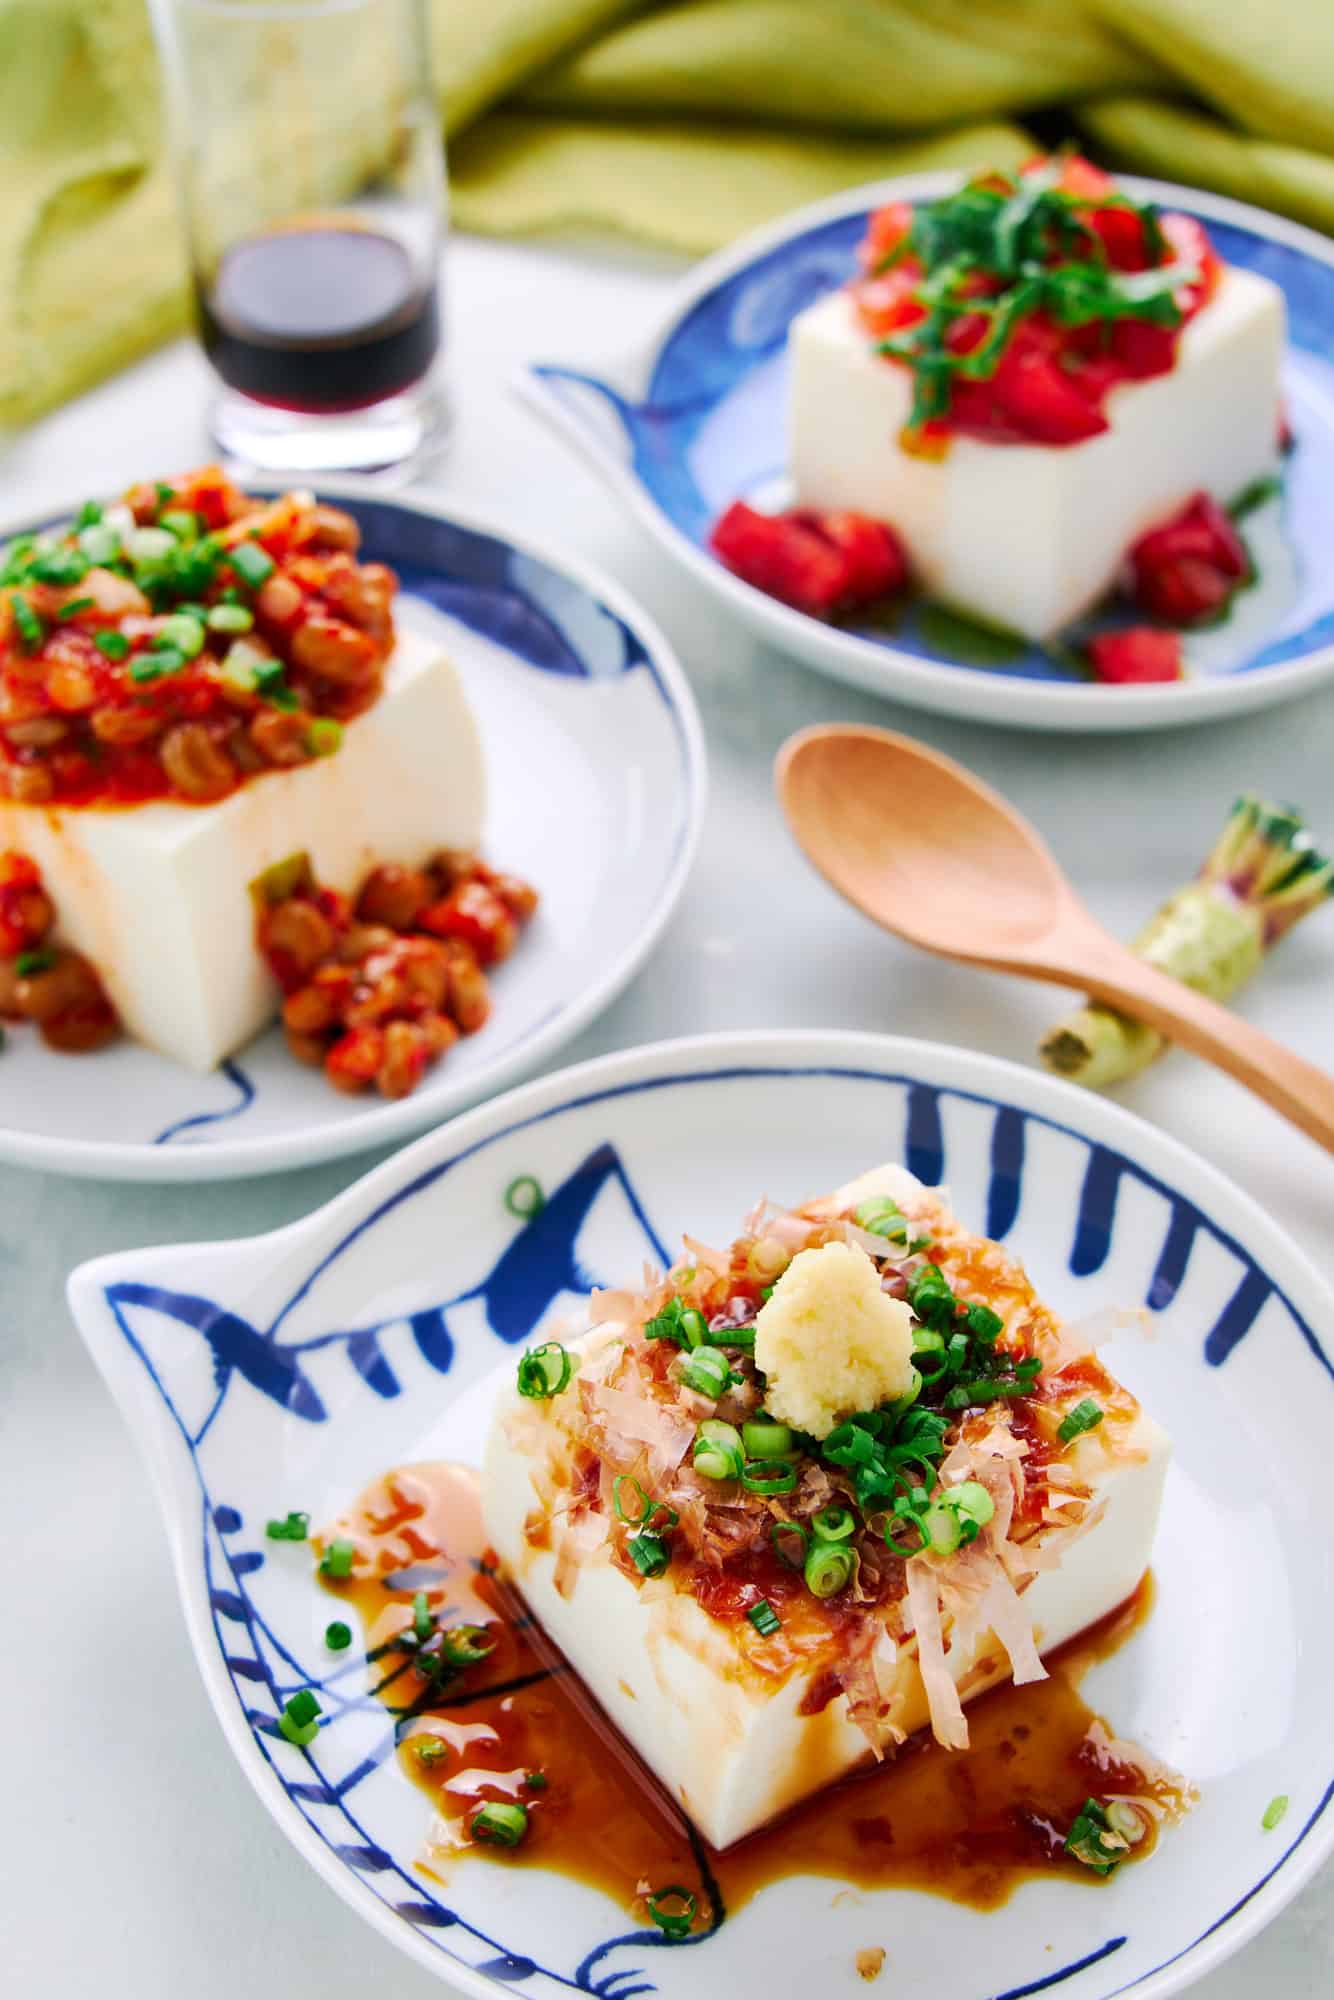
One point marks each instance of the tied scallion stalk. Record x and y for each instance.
(1263, 876)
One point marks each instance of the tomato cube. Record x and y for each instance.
(477, 917)
(1136, 656)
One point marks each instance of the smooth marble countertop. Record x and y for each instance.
(134, 1858)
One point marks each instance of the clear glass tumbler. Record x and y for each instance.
(311, 166)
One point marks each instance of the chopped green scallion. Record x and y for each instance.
(111, 645)
(1085, 1416)
(338, 1558)
(1274, 1812)
(324, 737)
(674, 1922)
(763, 1438)
(544, 1371)
(707, 1371)
(293, 1528)
(338, 1636)
(764, 1618)
(500, 1825)
(298, 1718)
(252, 563)
(830, 1567)
(650, 1554)
(769, 1475)
(719, 1453)
(29, 963)
(524, 1198)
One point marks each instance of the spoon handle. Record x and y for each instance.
(1296, 1088)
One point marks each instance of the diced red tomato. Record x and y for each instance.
(875, 563)
(1136, 656)
(1078, 175)
(886, 304)
(1121, 234)
(884, 232)
(1042, 399)
(1189, 240)
(1187, 569)
(816, 562)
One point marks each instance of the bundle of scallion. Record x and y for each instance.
(1262, 877)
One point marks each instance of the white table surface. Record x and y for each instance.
(134, 1860)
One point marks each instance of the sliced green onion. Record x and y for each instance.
(466, 1645)
(942, 1530)
(719, 1453)
(182, 522)
(29, 963)
(88, 515)
(1274, 1812)
(648, 1506)
(765, 1619)
(781, 1532)
(293, 1528)
(676, 1922)
(297, 1720)
(338, 1636)
(430, 1750)
(524, 1198)
(74, 606)
(100, 544)
(834, 1524)
(694, 1328)
(60, 565)
(983, 1323)
(155, 666)
(666, 1325)
(338, 1558)
(930, 1296)
(251, 563)
(544, 1371)
(768, 1475)
(883, 1217)
(324, 737)
(971, 1501)
(1087, 1839)
(183, 633)
(535, 1781)
(31, 630)
(500, 1825)
(423, 1624)
(244, 662)
(735, 1336)
(763, 1438)
(830, 1567)
(650, 1554)
(708, 1372)
(111, 645)
(1085, 1416)
(149, 545)
(229, 618)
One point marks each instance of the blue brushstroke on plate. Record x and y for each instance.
(541, 1264)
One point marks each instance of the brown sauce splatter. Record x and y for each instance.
(967, 1825)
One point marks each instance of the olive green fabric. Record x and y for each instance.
(679, 122)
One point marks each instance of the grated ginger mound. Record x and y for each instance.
(830, 1341)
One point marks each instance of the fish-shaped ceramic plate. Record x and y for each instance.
(595, 793)
(695, 418)
(287, 1371)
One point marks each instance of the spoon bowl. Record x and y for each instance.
(926, 850)
(896, 827)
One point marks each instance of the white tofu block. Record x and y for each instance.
(158, 897)
(727, 1743)
(1029, 536)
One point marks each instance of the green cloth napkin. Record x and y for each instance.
(680, 123)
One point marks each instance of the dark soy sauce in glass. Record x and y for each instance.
(320, 319)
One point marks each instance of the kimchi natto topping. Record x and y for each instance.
(183, 640)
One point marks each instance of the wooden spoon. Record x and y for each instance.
(928, 851)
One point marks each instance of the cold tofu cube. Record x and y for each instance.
(1028, 537)
(731, 1745)
(158, 896)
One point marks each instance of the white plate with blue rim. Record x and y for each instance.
(694, 419)
(596, 790)
(290, 1370)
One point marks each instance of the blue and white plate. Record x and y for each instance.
(289, 1370)
(596, 785)
(695, 419)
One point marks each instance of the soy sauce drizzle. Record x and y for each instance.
(520, 1728)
